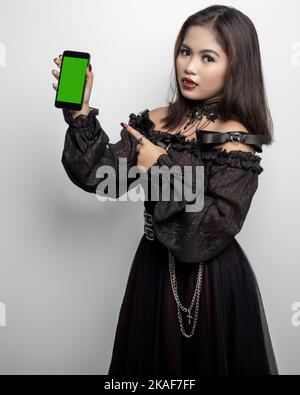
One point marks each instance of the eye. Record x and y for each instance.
(203, 57)
(183, 50)
(209, 57)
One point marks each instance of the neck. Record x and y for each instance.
(208, 101)
(204, 102)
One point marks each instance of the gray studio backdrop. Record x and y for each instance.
(65, 256)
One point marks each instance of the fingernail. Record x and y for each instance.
(124, 125)
(90, 67)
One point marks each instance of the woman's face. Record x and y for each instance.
(196, 61)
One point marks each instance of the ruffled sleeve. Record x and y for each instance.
(231, 180)
(87, 147)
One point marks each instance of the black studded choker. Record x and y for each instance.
(208, 108)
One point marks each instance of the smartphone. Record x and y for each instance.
(72, 80)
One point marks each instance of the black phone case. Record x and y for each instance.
(72, 106)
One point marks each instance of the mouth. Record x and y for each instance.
(188, 84)
(188, 81)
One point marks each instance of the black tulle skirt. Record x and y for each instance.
(231, 336)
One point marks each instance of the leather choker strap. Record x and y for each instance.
(209, 137)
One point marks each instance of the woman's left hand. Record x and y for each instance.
(148, 152)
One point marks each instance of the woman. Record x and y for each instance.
(192, 304)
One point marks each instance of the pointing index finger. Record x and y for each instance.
(131, 130)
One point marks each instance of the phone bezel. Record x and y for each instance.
(67, 105)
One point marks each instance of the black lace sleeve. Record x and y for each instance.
(87, 147)
(230, 184)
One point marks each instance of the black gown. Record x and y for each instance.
(231, 336)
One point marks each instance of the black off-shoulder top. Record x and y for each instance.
(231, 180)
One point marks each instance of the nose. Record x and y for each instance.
(191, 68)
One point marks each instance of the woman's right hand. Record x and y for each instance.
(89, 82)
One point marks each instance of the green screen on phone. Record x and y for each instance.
(72, 79)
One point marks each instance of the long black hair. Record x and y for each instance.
(244, 96)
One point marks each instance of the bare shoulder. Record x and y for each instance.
(157, 114)
(234, 126)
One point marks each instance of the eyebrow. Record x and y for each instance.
(204, 50)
